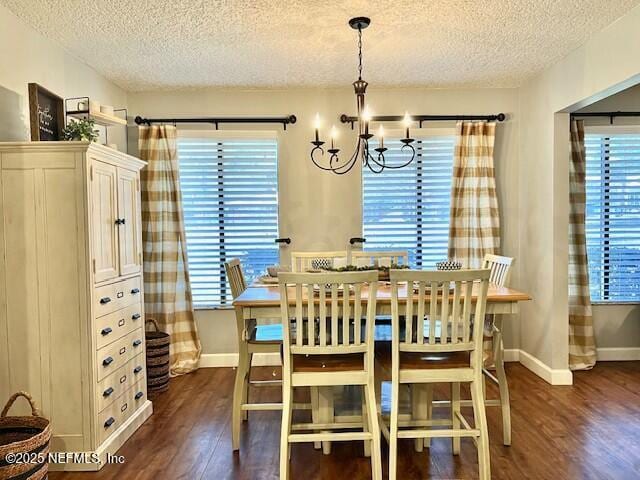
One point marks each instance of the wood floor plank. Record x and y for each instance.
(590, 430)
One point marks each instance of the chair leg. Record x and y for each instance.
(287, 403)
(365, 421)
(393, 431)
(455, 407)
(325, 403)
(504, 388)
(429, 400)
(245, 393)
(238, 394)
(480, 417)
(371, 408)
(419, 410)
(315, 411)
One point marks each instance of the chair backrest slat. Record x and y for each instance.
(500, 268)
(235, 277)
(335, 334)
(301, 261)
(454, 301)
(363, 258)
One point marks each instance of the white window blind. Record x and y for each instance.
(230, 200)
(408, 208)
(613, 215)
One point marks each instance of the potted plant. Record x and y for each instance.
(81, 130)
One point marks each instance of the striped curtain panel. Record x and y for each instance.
(582, 346)
(166, 278)
(474, 227)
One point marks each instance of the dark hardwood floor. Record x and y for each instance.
(590, 430)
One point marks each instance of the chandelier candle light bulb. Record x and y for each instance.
(317, 125)
(334, 134)
(407, 123)
(381, 135)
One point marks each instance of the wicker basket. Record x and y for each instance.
(24, 436)
(157, 359)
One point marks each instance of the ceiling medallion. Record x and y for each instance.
(376, 161)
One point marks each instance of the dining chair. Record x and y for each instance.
(362, 258)
(334, 347)
(445, 350)
(303, 261)
(500, 271)
(252, 338)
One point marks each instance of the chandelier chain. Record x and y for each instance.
(359, 53)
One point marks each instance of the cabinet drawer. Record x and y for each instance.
(115, 296)
(114, 385)
(116, 354)
(114, 325)
(116, 414)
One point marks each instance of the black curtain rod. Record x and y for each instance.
(500, 117)
(606, 114)
(284, 121)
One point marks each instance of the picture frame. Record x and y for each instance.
(46, 114)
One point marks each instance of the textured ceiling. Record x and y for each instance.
(167, 44)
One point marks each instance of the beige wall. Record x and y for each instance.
(26, 56)
(606, 64)
(319, 210)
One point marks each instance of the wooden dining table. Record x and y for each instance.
(262, 301)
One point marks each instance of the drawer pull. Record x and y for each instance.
(123, 350)
(107, 361)
(134, 291)
(137, 343)
(119, 294)
(121, 322)
(137, 369)
(110, 421)
(135, 316)
(139, 395)
(104, 300)
(124, 407)
(123, 379)
(106, 331)
(107, 392)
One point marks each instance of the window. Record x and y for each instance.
(408, 208)
(613, 213)
(230, 199)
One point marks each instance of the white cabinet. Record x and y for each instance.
(71, 296)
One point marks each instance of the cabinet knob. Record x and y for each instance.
(110, 421)
(134, 291)
(107, 392)
(135, 316)
(107, 361)
(139, 395)
(138, 369)
(105, 300)
(137, 343)
(120, 221)
(106, 331)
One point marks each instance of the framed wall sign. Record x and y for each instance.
(46, 112)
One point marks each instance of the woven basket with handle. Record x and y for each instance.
(157, 359)
(28, 438)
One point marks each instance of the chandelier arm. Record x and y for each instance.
(413, 156)
(348, 165)
(314, 150)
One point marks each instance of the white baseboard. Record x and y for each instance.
(511, 355)
(550, 375)
(618, 354)
(215, 360)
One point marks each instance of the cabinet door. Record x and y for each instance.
(104, 211)
(130, 239)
